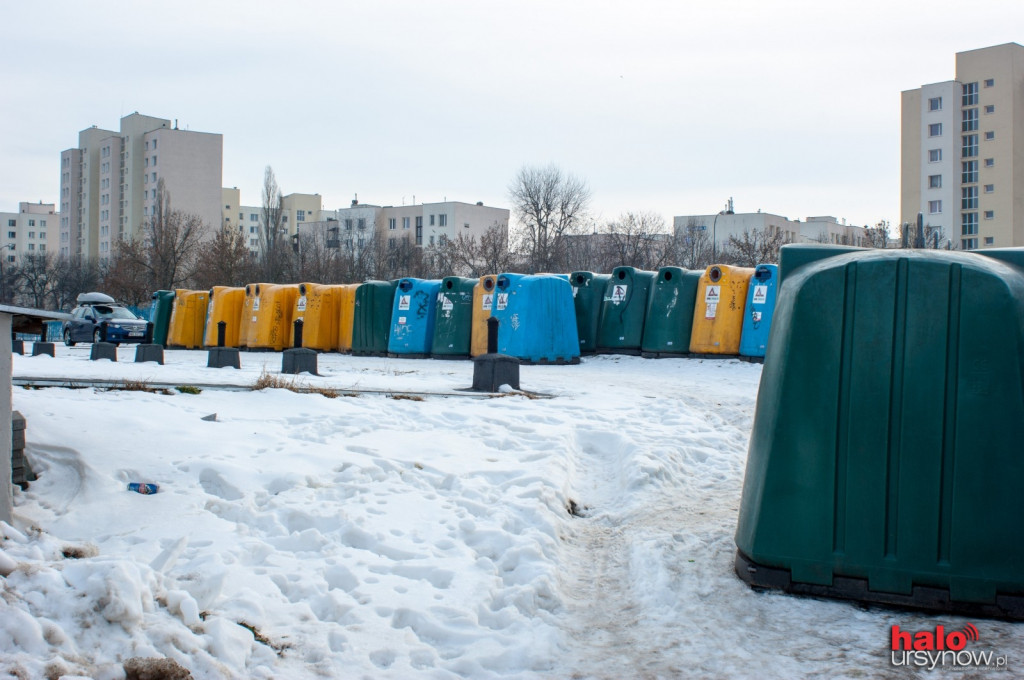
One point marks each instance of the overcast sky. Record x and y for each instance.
(673, 107)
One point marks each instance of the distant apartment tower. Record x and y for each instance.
(296, 209)
(30, 231)
(962, 150)
(108, 184)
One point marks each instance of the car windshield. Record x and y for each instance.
(105, 312)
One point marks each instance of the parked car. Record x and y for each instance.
(98, 318)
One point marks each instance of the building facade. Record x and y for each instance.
(962, 150)
(109, 183)
(718, 228)
(33, 230)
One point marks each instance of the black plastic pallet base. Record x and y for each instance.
(924, 598)
(361, 353)
(416, 355)
(666, 355)
(450, 357)
(618, 350)
(550, 362)
(698, 355)
(752, 360)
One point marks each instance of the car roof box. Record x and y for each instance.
(93, 298)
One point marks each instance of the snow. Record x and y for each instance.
(408, 530)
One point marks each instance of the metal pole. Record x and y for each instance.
(298, 333)
(492, 335)
(222, 328)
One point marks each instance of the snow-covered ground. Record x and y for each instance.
(397, 535)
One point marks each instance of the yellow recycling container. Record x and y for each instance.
(225, 305)
(317, 307)
(250, 313)
(718, 312)
(272, 328)
(483, 301)
(188, 318)
(346, 296)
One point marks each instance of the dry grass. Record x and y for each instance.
(274, 381)
(409, 397)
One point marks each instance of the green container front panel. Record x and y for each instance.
(453, 322)
(163, 305)
(669, 318)
(588, 294)
(371, 320)
(623, 308)
(887, 441)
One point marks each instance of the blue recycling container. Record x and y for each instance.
(760, 307)
(537, 318)
(413, 314)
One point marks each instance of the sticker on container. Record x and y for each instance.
(619, 293)
(712, 294)
(403, 303)
(711, 310)
(401, 321)
(446, 304)
(302, 304)
(760, 295)
(575, 290)
(756, 316)
(255, 304)
(502, 301)
(486, 302)
(254, 319)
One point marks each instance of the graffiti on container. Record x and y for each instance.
(514, 320)
(422, 304)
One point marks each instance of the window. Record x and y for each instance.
(154, 145)
(989, 82)
(284, 219)
(990, 214)
(970, 120)
(989, 240)
(31, 234)
(419, 222)
(300, 215)
(12, 223)
(935, 129)
(466, 225)
(934, 181)
(154, 160)
(146, 162)
(970, 97)
(31, 246)
(969, 244)
(42, 234)
(934, 207)
(253, 217)
(990, 134)
(431, 239)
(990, 162)
(405, 223)
(969, 224)
(969, 198)
(392, 223)
(969, 173)
(348, 224)
(31, 223)
(970, 146)
(935, 104)
(990, 108)
(42, 247)
(12, 234)
(989, 188)
(153, 178)
(252, 230)
(362, 223)
(442, 220)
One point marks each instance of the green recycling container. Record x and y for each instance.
(371, 320)
(669, 318)
(623, 308)
(453, 322)
(160, 315)
(885, 462)
(587, 294)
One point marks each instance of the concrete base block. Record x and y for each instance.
(18, 347)
(298, 360)
(146, 352)
(39, 348)
(223, 357)
(491, 371)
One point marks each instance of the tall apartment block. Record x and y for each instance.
(962, 150)
(30, 231)
(108, 184)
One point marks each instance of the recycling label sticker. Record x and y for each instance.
(760, 295)
(711, 310)
(403, 303)
(619, 293)
(486, 302)
(712, 294)
(255, 304)
(756, 316)
(446, 304)
(502, 301)
(302, 304)
(401, 321)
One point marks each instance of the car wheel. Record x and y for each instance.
(67, 338)
(96, 336)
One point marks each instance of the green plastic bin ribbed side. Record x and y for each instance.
(163, 305)
(886, 444)
(623, 309)
(588, 293)
(669, 318)
(371, 320)
(453, 322)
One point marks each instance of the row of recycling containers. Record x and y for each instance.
(544, 318)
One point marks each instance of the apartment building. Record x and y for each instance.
(296, 209)
(962, 150)
(718, 228)
(30, 231)
(109, 182)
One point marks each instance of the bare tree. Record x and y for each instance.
(878, 235)
(636, 240)
(549, 206)
(273, 257)
(752, 248)
(224, 261)
(466, 256)
(125, 276)
(37, 279)
(691, 246)
(74, 275)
